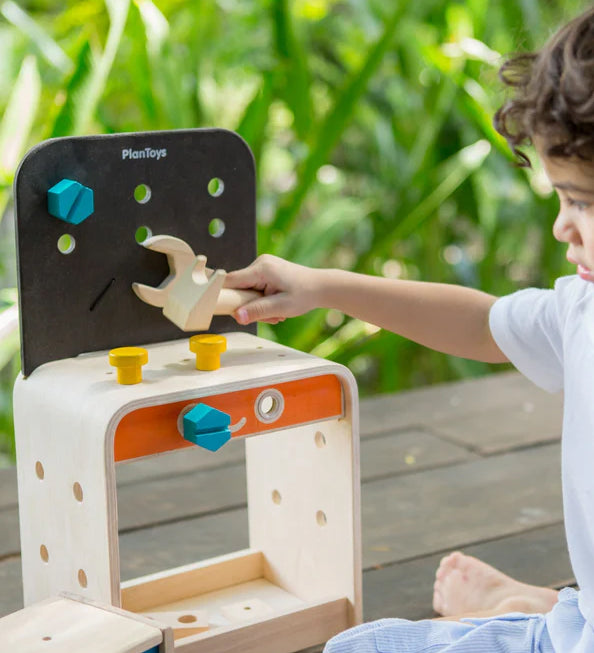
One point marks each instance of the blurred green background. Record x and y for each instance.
(370, 122)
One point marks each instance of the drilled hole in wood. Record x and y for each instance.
(321, 518)
(187, 619)
(39, 470)
(82, 578)
(44, 553)
(320, 440)
(78, 492)
(276, 497)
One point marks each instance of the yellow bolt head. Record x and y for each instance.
(208, 349)
(128, 361)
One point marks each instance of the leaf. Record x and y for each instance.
(17, 122)
(454, 172)
(331, 128)
(252, 126)
(47, 47)
(175, 105)
(96, 79)
(155, 24)
(65, 119)
(19, 115)
(312, 244)
(293, 69)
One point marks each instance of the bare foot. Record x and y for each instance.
(466, 585)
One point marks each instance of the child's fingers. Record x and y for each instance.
(265, 309)
(244, 278)
(266, 271)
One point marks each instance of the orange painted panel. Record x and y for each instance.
(153, 429)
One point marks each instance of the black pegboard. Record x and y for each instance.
(83, 301)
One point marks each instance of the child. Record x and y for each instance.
(547, 334)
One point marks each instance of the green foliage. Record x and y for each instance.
(370, 123)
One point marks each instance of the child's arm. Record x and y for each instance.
(448, 318)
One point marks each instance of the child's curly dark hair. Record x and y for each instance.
(554, 94)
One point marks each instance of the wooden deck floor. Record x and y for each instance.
(473, 465)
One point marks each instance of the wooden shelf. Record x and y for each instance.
(231, 599)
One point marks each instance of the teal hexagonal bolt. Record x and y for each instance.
(206, 427)
(70, 201)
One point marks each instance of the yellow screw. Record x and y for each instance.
(128, 361)
(208, 349)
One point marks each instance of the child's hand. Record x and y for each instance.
(289, 289)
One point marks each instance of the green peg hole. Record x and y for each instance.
(216, 228)
(66, 244)
(142, 233)
(142, 193)
(216, 187)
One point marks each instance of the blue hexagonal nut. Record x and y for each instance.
(211, 441)
(207, 427)
(70, 201)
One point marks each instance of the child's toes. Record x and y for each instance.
(455, 559)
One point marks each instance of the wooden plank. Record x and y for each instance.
(167, 642)
(10, 543)
(62, 625)
(181, 583)
(304, 510)
(408, 451)
(11, 586)
(180, 497)
(162, 547)
(405, 590)
(177, 462)
(431, 406)
(315, 622)
(530, 422)
(8, 488)
(412, 515)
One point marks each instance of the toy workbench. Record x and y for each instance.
(122, 245)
